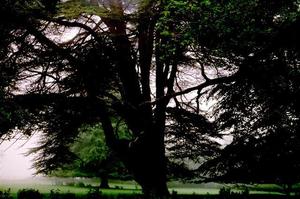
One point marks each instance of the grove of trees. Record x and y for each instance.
(151, 64)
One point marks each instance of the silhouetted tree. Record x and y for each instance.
(142, 61)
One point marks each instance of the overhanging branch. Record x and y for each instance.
(210, 82)
(90, 30)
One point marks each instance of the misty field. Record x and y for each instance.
(80, 187)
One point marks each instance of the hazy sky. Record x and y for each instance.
(13, 163)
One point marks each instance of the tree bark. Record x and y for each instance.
(104, 181)
(148, 165)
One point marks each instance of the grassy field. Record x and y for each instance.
(46, 188)
(83, 186)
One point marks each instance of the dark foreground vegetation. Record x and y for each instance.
(192, 191)
(224, 193)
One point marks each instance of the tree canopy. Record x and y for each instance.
(152, 64)
(260, 108)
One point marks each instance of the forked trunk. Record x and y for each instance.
(145, 156)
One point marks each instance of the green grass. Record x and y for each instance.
(125, 188)
(43, 189)
(197, 191)
(129, 187)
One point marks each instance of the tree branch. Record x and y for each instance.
(210, 82)
(90, 30)
(48, 42)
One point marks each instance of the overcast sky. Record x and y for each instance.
(13, 163)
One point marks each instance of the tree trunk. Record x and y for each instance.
(149, 172)
(147, 162)
(145, 156)
(104, 181)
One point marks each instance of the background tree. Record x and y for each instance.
(93, 158)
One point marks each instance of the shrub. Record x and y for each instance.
(68, 196)
(94, 194)
(80, 184)
(57, 195)
(245, 192)
(29, 194)
(54, 194)
(5, 194)
(225, 193)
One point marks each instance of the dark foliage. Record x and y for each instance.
(5, 194)
(105, 73)
(29, 194)
(261, 109)
(57, 195)
(190, 135)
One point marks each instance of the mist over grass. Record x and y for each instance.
(14, 164)
(82, 186)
